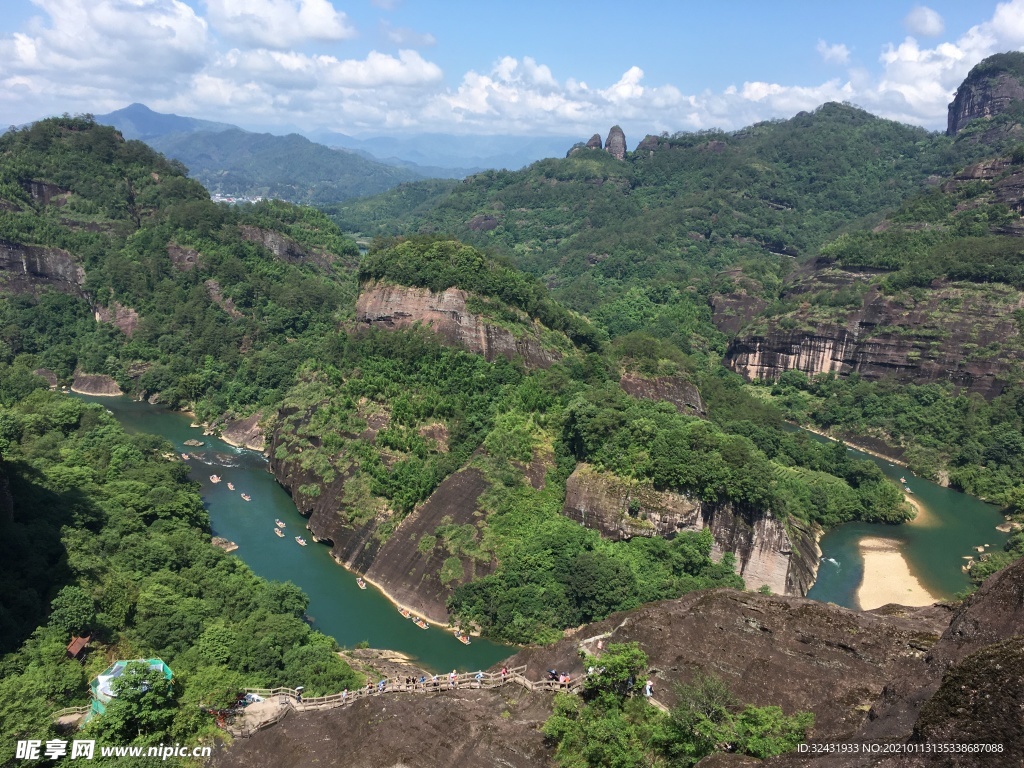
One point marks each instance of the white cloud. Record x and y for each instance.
(408, 38)
(925, 22)
(834, 54)
(90, 54)
(97, 55)
(278, 24)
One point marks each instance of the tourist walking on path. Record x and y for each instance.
(649, 688)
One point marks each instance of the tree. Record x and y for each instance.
(72, 610)
(617, 672)
(142, 710)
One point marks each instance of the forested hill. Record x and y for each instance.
(102, 534)
(202, 303)
(237, 162)
(679, 209)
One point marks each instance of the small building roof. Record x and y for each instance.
(77, 645)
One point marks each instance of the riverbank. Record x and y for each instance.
(851, 444)
(888, 578)
(923, 516)
(401, 606)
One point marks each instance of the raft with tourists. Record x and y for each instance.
(300, 541)
(279, 533)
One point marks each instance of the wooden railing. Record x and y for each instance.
(70, 711)
(289, 697)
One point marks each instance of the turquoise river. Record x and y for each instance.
(337, 607)
(934, 551)
(952, 526)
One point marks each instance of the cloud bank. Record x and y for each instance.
(262, 62)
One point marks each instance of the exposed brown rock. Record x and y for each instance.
(650, 144)
(616, 143)
(47, 194)
(217, 297)
(31, 269)
(392, 306)
(679, 391)
(467, 729)
(395, 565)
(285, 248)
(768, 552)
(50, 376)
(184, 259)
(771, 650)
(983, 98)
(245, 433)
(437, 433)
(95, 384)
(412, 578)
(124, 318)
(594, 142)
(942, 337)
(482, 223)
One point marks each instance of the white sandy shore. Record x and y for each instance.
(887, 577)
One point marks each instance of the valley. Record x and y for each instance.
(552, 408)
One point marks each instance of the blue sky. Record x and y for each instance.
(373, 67)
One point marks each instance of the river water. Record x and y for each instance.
(953, 524)
(337, 607)
(934, 550)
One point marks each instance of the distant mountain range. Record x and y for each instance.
(323, 167)
(449, 151)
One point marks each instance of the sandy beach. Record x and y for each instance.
(923, 517)
(887, 577)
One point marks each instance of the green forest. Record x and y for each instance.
(619, 266)
(103, 535)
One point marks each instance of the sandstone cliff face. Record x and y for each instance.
(966, 689)
(951, 334)
(245, 433)
(118, 315)
(616, 143)
(411, 577)
(471, 729)
(31, 269)
(594, 142)
(767, 552)
(285, 248)
(676, 390)
(44, 193)
(184, 259)
(397, 565)
(785, 651)
(95, 384)
(983, 98)
(391, 306)
(217, 296)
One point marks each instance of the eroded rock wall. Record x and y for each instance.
(986, 98)
(285, 248)
(767, 551)
(770, 650)
(949, 334)
(31, 269)
(95, 384)
(677, 390)
(394, 306)
(245, 433)
(411, 576)
(393, 561)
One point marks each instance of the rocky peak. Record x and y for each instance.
(616, 143)
(595, 142)
(988, 90)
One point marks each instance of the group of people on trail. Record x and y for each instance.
(562, 678)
